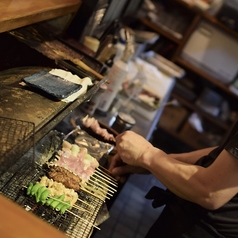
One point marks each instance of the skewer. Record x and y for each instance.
(102, 184)
(85, 203)
(82, 188)
(97, 191)
(103, 191)
(86, 191)
(100, 178)
(106, 175)
(104, 187)
(103, 177)
(106, 171)
(86, 67)
(83, 219)
(79, 198)
(75, 206)
(110, 188)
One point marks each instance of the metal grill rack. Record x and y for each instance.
(14, 182)
(15, 139)
(75, 223)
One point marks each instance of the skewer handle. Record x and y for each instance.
(86, 67)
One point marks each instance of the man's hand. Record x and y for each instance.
(131, 147)
(120, 170)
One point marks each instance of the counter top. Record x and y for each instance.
(18, 13)
(16, 222)
(22, 103)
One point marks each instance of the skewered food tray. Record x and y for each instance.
(77, 219)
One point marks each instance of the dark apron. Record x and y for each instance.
(181, 218)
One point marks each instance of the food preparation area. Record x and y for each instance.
(47, 189)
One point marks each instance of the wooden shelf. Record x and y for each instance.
(210, 18)
(220, 25)
(201, 15)
(214, 81)
(183, 132)
(208, 79)
(183, 138)
(191, 106)
(159, 30)
(19, 13)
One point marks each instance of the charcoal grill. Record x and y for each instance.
(28, 168)
(78, 225)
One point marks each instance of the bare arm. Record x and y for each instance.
(192, 157)
(210, 187)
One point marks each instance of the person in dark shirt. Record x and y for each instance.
(202, 186)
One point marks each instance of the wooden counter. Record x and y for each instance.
(18, 13)
(17, 223)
